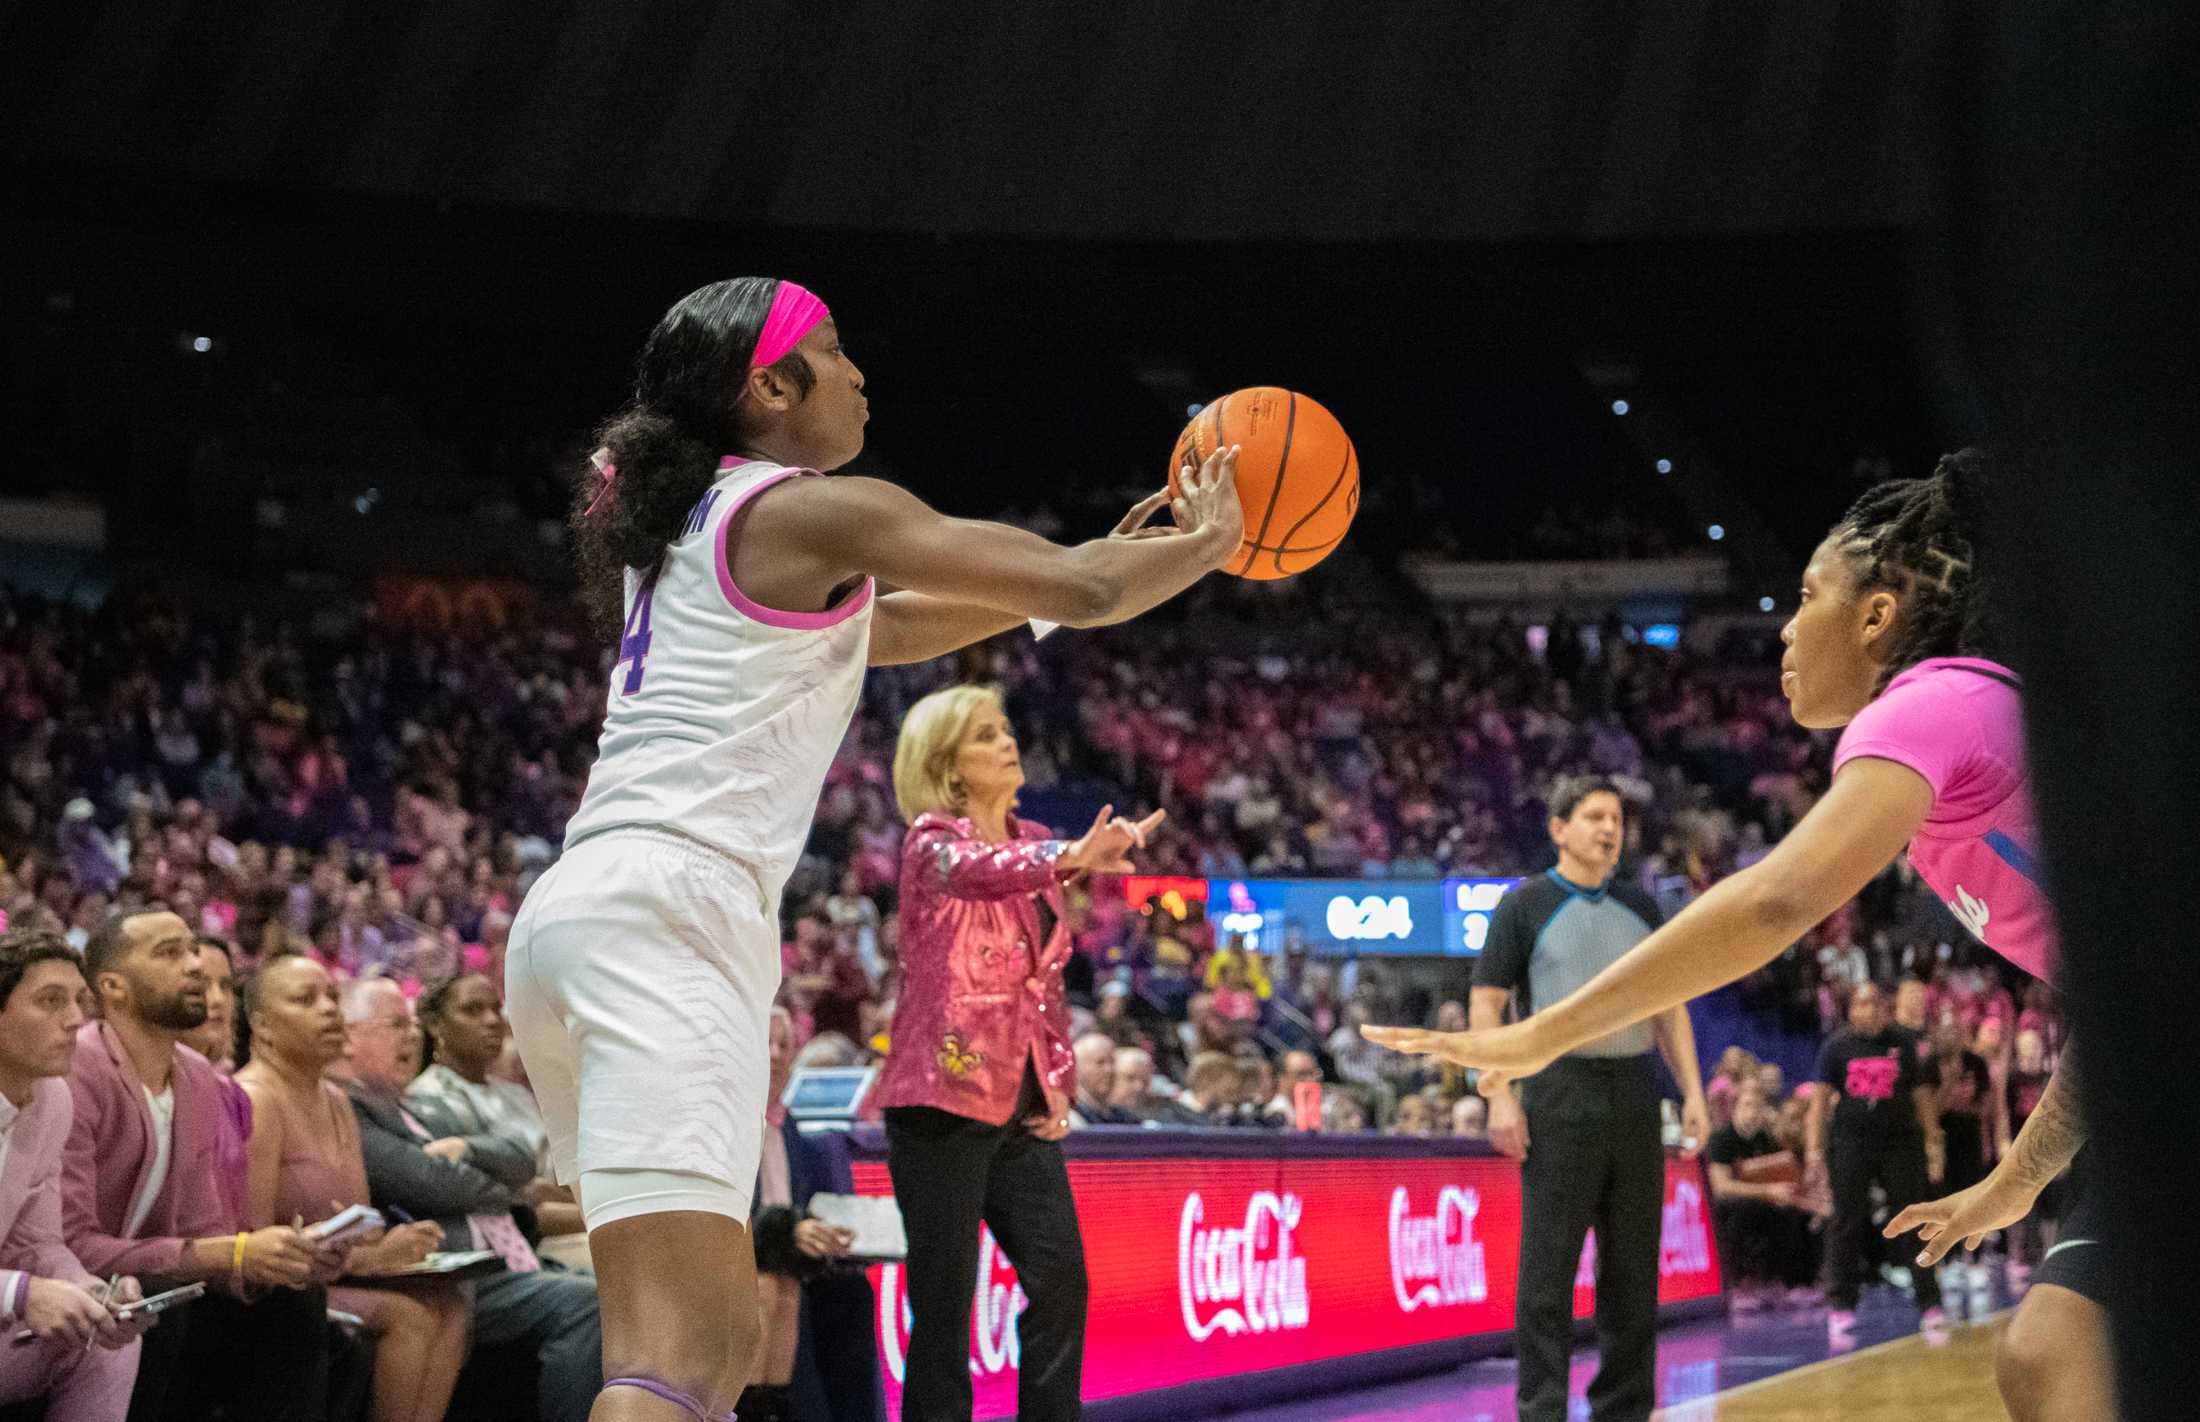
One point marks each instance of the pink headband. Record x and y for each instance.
(794, 312)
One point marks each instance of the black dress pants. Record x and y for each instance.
(1595, 1161)
(1854, 1162)
(950, 1174)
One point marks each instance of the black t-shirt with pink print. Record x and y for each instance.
(1877, 1077)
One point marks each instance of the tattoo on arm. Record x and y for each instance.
(2053, 1133)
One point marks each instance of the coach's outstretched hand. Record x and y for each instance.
(1105, 848)
(1966, 1217)
(1503, 1053)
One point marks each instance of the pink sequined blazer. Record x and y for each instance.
(981, 991)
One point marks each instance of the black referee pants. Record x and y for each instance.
(1596, 1160)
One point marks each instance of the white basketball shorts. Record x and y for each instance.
(639, 982)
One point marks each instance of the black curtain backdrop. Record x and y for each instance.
(2067, 216)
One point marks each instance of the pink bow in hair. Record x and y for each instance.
(602, 460)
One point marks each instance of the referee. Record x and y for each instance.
(1587, 1128)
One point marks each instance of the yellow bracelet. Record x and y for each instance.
(236, 1258)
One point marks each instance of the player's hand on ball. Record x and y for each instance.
(1965, 1218)
(1511, 1052)
(1133, 525)
(1207, 503)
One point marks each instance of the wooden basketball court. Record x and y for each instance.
(1904, 1380)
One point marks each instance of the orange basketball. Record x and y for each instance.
(1298, 478)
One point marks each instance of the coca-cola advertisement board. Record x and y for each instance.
(1213, 1268)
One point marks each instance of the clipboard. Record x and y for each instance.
(875, 1220)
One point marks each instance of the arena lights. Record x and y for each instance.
(202, 344)
(1191, 410)
(1764, 604)
(1716, 532)
(1665, 466)
(1619, 407)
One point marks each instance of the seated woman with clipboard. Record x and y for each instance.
(304, 1163)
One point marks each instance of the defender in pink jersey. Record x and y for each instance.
(1959, 723)
(742, 587)
(1887, 644)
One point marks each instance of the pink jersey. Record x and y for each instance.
(1959, 722)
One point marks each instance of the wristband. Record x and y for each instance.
(236, 1261)
(17, 1287)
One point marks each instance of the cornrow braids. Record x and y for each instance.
(1923, 540)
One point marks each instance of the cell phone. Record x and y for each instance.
(158, 1303)
(161, 1302)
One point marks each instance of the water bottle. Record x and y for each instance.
(1981, 1285)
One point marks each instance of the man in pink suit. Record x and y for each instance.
(82, 1358)
(142, 1193)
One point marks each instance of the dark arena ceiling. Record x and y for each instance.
(1153, 120)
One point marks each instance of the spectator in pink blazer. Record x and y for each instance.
(43, 1287)
(143, 1193)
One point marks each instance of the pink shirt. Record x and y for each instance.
(1955, 722)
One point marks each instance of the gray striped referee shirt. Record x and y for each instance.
(1550, 935)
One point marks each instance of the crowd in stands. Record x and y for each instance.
(170, 1166)
(343, 817)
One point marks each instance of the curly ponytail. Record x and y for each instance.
(1926, 540)
(666, 444)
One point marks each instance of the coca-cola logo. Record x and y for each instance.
(993, 1347)
(1684, 1246)
(1235, 1279)
(1435, 1259)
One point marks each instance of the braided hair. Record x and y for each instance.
(1925, 540)
(667, 442)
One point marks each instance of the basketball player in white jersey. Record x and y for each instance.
(643, 964)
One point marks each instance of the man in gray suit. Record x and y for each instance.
(418, 1165)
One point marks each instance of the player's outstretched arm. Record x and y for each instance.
(916, 627)
(866, 526)
(1741, 923)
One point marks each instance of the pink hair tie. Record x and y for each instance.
(602, 460)
(795, 313)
